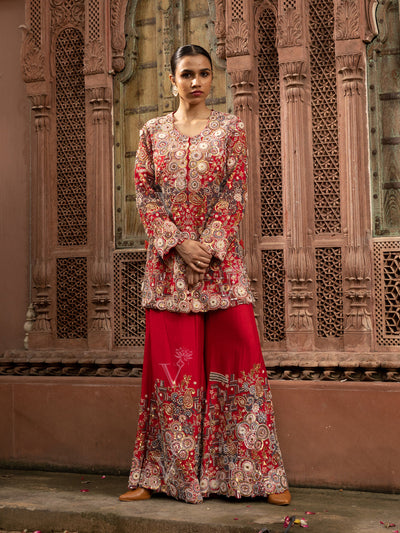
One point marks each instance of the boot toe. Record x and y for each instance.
(135, 495)
(284, 498)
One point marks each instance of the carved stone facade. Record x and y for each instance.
(324, 274)
(66, 63)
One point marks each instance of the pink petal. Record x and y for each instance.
(84, 490)
(286, 521)
(309, 512)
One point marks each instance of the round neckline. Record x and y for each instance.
(191, 136)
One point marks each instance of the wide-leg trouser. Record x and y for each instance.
(206, 421)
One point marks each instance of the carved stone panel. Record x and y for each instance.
(324, 118)
(269, 126)
(71, 139)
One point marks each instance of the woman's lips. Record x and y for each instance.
(196, 93)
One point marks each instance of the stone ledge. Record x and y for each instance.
(53, 501)
(314, 366)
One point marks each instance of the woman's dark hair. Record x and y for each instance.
(188, 50)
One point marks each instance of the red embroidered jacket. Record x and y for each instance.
(193, 187)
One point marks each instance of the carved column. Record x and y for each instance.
(97, 70)
(245, 106)
(239, 49)
(357, 333)
(220, 28)
(118, 41)
(300, 329)
(34, 73)
(100, 329)
(41, 329)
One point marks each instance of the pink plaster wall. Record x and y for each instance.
(14, 172)
(342, 435)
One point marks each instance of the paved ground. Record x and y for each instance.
(56, 502)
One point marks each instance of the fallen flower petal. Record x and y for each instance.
(301, 522)
(84, 490)
(310, 512)
(286, 521)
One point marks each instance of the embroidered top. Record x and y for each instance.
(192, 187)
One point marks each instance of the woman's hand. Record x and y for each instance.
(195, 255)
(193, 278)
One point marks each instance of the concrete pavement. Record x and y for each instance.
(83, 503)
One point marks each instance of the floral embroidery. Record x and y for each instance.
(193, 187)
(233, 453)
(241, 452)
(167, 449)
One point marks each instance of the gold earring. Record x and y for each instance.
(175, 90)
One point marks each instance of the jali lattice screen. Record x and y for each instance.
(387, 292)
(324, 117)
(71, 139)
(129, 327)
(270, 127)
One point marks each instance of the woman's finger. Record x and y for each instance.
(198, 267)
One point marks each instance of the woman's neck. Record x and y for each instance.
(188, 113)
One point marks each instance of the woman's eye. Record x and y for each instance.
(205, 74)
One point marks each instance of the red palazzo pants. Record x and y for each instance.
(206, 422)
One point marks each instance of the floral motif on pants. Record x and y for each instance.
(189, 448)
(241, 454)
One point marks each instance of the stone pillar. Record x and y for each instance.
(299, 194)
(245, 106)
(117, 38)
(239, 51)
(35, 73)
(100, 328)
(41, 332)
(99, 59)
(357, 334)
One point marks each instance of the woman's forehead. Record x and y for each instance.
(197, 62)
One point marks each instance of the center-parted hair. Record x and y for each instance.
(188, 50)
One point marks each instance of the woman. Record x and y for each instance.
(206, 422)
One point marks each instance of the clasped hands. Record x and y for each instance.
(197, 259)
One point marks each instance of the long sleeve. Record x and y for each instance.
(223, 221)
(160, 229)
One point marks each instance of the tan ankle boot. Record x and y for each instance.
(284, 498)
(136, 495)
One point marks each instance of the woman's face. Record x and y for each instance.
(193, 77)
